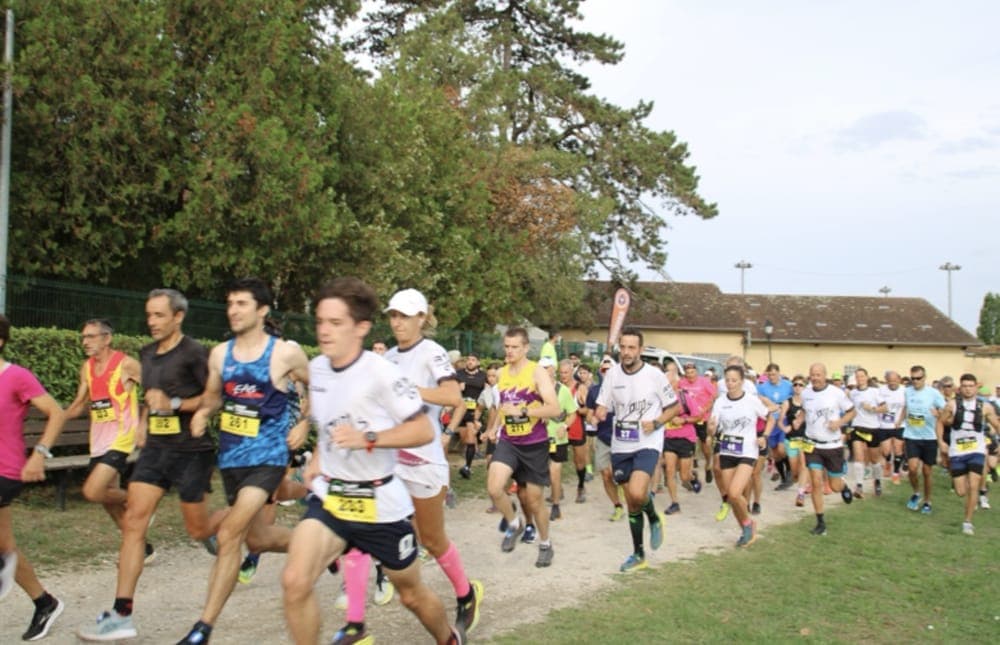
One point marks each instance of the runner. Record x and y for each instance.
(828, 412)
(424, 470)
(174, 370)
(486, 407)
(365, 410)
(776, 389)
(20, 390)
(558, 429)
(578, 380)
(967, 417)
(923, 404)
(793, 423)
(734, 420)
(680, 436)
(643, 401)
(472, 381)
(527, 400)
(603, 430)
(107, 389)
(249, 378)
(892, 401)
(865, 437)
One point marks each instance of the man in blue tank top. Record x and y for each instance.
(249, 378)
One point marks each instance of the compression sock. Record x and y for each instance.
(650, 510)
(636, 526)
(470, 454)
(451, 563)
(355, 566)
(897, 463)
(581, 477)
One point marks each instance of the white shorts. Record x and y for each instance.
(602, 455)
(424, 481)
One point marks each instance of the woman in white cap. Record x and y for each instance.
(425, 470)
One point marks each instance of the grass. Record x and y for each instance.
(883, 574)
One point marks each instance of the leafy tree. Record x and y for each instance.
(989, 319)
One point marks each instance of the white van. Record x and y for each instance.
(661, 357)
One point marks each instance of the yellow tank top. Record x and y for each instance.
(519, 389)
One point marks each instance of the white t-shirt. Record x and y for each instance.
(737, 424)
(635, 398)
(426, 365)
(968, 439)
(369, 394)
(860, 398)
(821, 407)
(895, 401)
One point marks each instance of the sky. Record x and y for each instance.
(849, 145)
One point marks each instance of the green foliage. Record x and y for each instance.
(989, 320)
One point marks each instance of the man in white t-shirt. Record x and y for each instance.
(642, 401)
(365, 410)
(827, 412)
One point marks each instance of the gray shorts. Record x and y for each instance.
(602, 455)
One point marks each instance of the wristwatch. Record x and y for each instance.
(175, 403)
(370, 438)
(43, 451)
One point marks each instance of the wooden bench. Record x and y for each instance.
(75, 437)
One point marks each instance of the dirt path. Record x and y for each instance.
(588, 552)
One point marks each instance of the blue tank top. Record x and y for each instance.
(254, 421)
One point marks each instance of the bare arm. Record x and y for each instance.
(80, 403)
(415, 431)
(448, 393)
(211, 399)
(34, 469)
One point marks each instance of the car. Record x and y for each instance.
(661, 357)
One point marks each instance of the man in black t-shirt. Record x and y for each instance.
(472, 380)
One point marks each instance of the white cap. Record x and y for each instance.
(408, 302)
(546, 361)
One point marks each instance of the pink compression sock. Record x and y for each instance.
(451, 563)
(355, 566)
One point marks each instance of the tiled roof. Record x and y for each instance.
(796, 319)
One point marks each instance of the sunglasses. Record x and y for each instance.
(917, 378)
(798, 384)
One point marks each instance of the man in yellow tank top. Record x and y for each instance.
(107, 391)
(527, 399)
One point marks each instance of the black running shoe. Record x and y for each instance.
(845, 494)
(820, 529)
(199, 635)
(42, 621)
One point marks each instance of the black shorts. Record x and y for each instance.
(885, 435)
(829, 459)
(468, 417)
(491, 447)
(530, 462)
(558, 452)
(9, 490)
(729, 461)
(114, 458)
(578, 442)
(391, 543)
(925, 450)
(701, 430)
(266, 478)
(762, 451)
(623, 464)
(896, 433)
(191, 472)
(991, 445)
(871, 437)
(683, 448)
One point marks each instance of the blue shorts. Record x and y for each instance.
(965, 464)
(776, 438)
(623, 464)
(793, 446)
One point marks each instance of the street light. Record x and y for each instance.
(949, 267)
(885, 291)
(742, 265)
(768, 330)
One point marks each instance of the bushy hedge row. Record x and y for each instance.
(55, 356)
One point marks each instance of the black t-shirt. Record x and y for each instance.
(181, 372)
(475, 383)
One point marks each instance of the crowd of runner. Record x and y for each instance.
(377, 481)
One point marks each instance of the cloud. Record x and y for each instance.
(968, 144)
(982, 172)
(883, 127)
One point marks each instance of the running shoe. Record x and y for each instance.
(723, 512)
(845, 494)
(150, 554)
(502, 526)
(800, 499)
(510, 538)
(673, 508)
(634, 562)
(8, 565)
(211, 544)
(530, 534)
(984, 502)
(926, 508)
(545, 553)
(589, 477)
(819, 529)
(341, 601)
(467, 616)
(914, 503)
(109, 627)
(555, 514)
(465, 472)
(784, 485)
(695, 485)
(581, 495)
(383, 590)
(755, 508)
(968, 529)
(709, 476)
(656, 531)
(878, 488)
(42, 620)
(349, 635)
(748, 535)
(617, 514)
(859, 492)
(449, 498)
(249, 568)
(199, 634)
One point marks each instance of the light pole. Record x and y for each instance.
(742, 265)
(949, 267)
(768, 330)
(885, 291)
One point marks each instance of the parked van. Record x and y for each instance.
(661, 357)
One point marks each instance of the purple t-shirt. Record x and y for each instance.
(17, 387)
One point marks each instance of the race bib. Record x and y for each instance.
(518, 426)
(470, 404)
(808, 446)
(165, 425)
(732, 444)
(888, 417)
(102, 411)
(351, 502)
(243, 420)
(914, 420)
(795, 444)
(627, 431)
(966, 444)
(552, 446)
